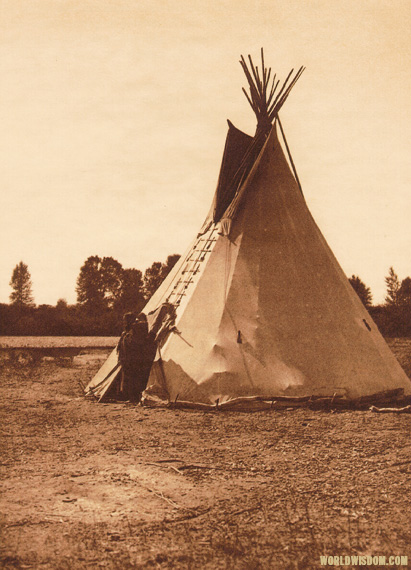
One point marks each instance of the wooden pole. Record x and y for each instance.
(289, 156)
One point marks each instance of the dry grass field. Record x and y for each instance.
(57, 341)
(118, 486)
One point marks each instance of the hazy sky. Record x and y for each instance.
(113, 117)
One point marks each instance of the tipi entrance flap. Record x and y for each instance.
(101, 383)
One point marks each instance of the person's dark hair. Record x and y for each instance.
(140, 327)
(128, 320)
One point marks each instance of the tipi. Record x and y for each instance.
(258, 311)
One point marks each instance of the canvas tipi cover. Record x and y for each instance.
(258, 308)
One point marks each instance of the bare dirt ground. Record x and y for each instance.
(118, 486)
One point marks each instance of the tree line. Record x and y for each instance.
(393, 317)
(105, 291)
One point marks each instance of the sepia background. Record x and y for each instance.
(114, 113)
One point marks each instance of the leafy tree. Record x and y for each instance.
(99, 283)
(169, 264)
(153, 278)
(21, 284)
(111, 274)
(132, 291)
(61, 305)
(393, 286)
(8, 319)
(363, 292)
(155, 275)
(404, 294)
(89, 289)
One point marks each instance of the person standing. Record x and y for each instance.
(136, 351)
(123, 355)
